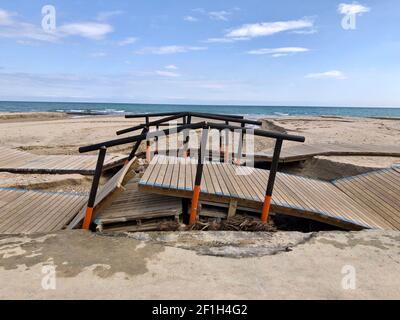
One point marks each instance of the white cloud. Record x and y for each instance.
(105, 15)
(169, 49)
(224, 40)
(352, 8)
(90, 30)
(5, 17)
(27, 33)
(190, 19)
(127, 41)
(334, 74)
(309, 31)
(268, 28)
(167, 73)
(171, 67)
(219, 15)
(278, 52)
(219, 40)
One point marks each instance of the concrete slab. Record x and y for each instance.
(228, 265)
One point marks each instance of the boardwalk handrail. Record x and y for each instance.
(186, 116)
(279, 137)
(198, 125)
(163, 114)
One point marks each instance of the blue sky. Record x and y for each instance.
(285, 52)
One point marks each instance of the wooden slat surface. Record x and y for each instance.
(306, 151)
(133, 205)
(110, 189)
(29, 212)
(16, 161)
(377, 191)
(295, 195)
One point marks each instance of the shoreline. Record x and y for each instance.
(47, 115)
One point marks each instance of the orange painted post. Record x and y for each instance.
(199, 174)
(148, 152)
(88, 218)
(265, 209)
(93, 191)
(195, 203)
(271, 181)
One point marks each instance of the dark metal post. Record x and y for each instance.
(199, 174)
(156, 138)
(93, 191)
(187, 137)
(271, 181)
(185, 210)
(226, 146)
(136, 146)
(148, 141)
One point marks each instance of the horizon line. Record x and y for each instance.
(208, 104)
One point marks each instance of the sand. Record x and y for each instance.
(58, 133)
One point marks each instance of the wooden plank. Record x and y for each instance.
(304, 151)
(299, 196)
(23, 162)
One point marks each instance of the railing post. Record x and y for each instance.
(226, 145)
(156, 138)
(136, 147)
(240, 146)
(185, 210)
(188, 120)
(93, 191)
(148, 141)
(199, 174)
(271, 181)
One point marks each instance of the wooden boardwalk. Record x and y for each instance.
(23, 211)
(134, 207)
(28, 212)
(377, 191)
(307, 151)
(293, 195)
(17, 161)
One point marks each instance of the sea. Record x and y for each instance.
(80, 108)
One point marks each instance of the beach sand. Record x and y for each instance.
(58, 133)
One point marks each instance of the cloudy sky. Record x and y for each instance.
(286, 52)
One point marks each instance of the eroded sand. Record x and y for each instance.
(49, 133)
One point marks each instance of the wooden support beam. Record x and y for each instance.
(232, 208)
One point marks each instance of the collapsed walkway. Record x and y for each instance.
(352, 203)
(16, 161)
(23, 211)
(306, 151)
